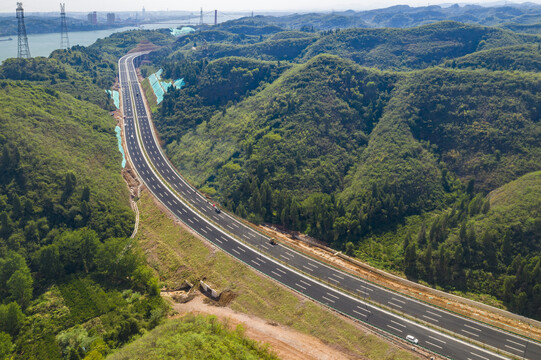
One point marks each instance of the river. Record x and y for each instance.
(44, 44)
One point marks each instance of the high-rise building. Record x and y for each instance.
(92, 18)
(110, 18)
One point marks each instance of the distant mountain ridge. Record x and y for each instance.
(402, 16)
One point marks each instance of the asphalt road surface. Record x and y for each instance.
(294, 270)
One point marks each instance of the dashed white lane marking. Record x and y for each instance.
(334, 296)
(363, 292)
(516, 343)
(433, 338)
(428, 342)
(307, 268)
(190, 220)
(471, 327)
(258, 264)
(398, 306)
(400, 301)
(275, 273)
(468, 332)
(302, 287)
(433, 313)
(224, 239)
(328, 299)
(285, 257)
(429, 318)
(510, 347)
(280, 270)
(238, 253)
(392, 327)
(363, 309)
(356, 312)
(305, 283)
(482, 357)
(241, 249)
(338, 276)
(397, 323)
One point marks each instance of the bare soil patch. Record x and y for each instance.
(286, 343)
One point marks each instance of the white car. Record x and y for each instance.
(412, 339)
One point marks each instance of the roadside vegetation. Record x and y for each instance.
(194, 337)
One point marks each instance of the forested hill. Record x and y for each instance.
(384, 48)
(72, 285)
(413, 48)
(360, 157)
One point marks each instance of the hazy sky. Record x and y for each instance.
(208, 5)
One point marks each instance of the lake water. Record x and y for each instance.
(44, 44)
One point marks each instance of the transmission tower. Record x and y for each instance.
(201, 17)
(64, 40)
(23, 50)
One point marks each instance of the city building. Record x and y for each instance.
(110, 18)
(93, 18)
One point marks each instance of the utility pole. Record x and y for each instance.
(201, 17)
(23, 51)
(64, 40)
(215, 17)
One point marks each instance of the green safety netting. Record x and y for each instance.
(160, 87)
(183, 31)
(116, 97)
(120, 148)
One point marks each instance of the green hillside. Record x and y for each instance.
(358, 157)
(71, 284)
(510, 58)
(413, 48)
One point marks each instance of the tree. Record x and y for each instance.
(6, 346)
(11, 318)
(350, 248)
(117, 259)
(77, 250)
(69, 186)
(8, 265)
(410, 257)
(20, 287)
(6, 225)
(85, 196)
(48, 261)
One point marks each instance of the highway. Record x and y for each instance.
(292, 269)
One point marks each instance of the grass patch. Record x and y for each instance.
(178, 255)
(194, 337)
(150, 96)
